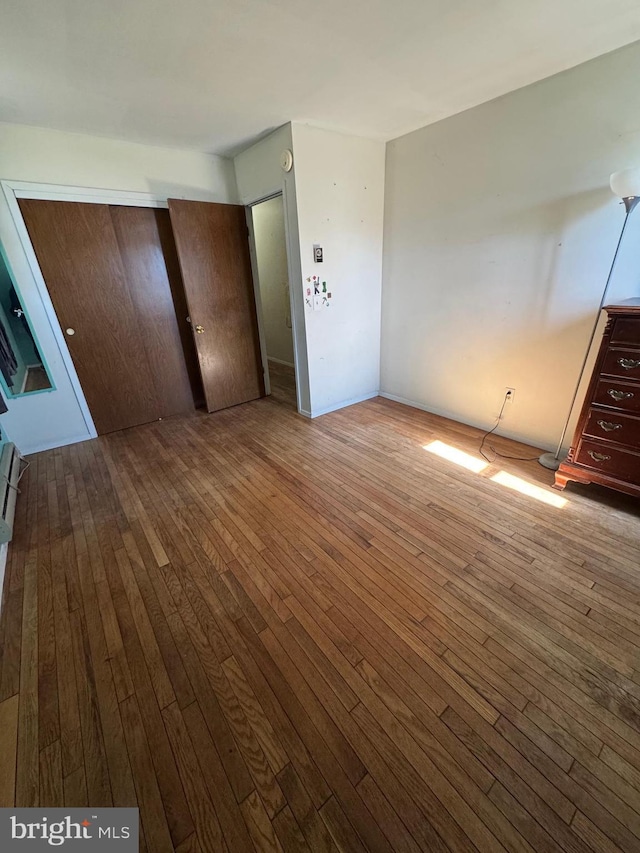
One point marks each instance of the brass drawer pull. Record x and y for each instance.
(598, 457)
(607, 426)
(629, 363)
(620, 395)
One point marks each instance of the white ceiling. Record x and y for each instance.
(213, 75)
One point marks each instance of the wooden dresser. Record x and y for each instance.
(606, 443)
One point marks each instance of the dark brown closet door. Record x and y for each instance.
(213, 249)
(151, 265)
(119, 331)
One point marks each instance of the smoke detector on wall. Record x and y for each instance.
(286, 160)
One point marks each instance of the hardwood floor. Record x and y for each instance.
(279, 634)
(283, 383)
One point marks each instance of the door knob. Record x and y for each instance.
(199, 330)
(71, 331)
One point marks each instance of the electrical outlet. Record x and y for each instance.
(510, 393)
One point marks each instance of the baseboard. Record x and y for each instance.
(280, 361)
(344, 404)
(454, 416)
(39, 448)
(432, 410)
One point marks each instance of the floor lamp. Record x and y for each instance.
(626, 185)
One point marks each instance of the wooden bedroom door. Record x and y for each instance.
(213, 249)
(106, 273)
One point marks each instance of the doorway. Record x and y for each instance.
(274, 298)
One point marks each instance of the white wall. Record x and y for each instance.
(45, 156)
(499, 232)
(333, 196)
(257, 169)
(340, 196)
(273, 275)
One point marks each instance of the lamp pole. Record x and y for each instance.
(552, 460)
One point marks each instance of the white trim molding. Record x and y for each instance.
(89, 195)
(344, 404)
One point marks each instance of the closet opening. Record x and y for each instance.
(156, 307)
(273, 298)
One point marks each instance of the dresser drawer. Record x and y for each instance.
(618, 395)
(623, 362)
(616, 461)
(626, 330)
(613, 426)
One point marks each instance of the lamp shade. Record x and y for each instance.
(626, 184)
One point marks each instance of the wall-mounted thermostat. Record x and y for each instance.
(317, 253)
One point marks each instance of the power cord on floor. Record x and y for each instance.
(15, 485)
(492, 449)
(26, 465)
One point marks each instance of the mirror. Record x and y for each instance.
(22, 368)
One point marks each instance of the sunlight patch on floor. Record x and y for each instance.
(510, 481)
(459, 457)
(529, 489)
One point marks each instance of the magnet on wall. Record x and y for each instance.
(317, 253)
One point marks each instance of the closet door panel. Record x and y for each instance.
(165, 232)
(138, 231)
(213, 249)
(79, 256)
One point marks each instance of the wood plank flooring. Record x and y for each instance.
(278, 634)
(283, 383)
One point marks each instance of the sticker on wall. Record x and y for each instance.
(316, 294)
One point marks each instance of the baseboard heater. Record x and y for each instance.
(9, 475)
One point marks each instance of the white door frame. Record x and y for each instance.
(257, 293)
(256, 279)
(253, 251)
(14, 190)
